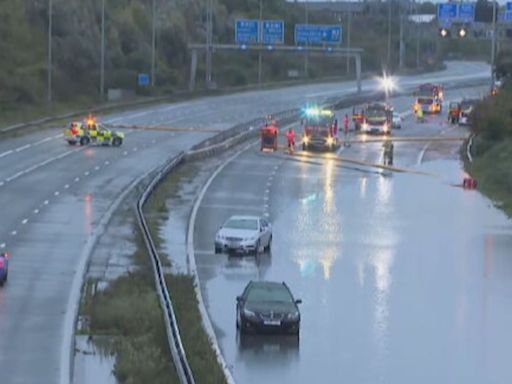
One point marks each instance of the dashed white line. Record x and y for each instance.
(3, 245)
(56, 193)
(135, 149)
(25, 221)
(1, 183)
(36, 211)
(266, 214)
(6, 153)
(46, 202)
(86, 173)
(23, 148)
(66, 186)
(42, 141)
(58, 136)
(77, 179)
(97, 168)
(107, 162)
(14, 233)
(125, 153)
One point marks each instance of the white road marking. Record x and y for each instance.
(135, 149)
(46, 202)
(107, 162)
(66, 186)
(125, 153)
(36, 211)
(14, 233)
(1, 183)
(42, 141)
(97, 168)
(25, 221)
(77, 179)
(3, 245)
(86, 173)
(58, 136)
(23, 148)
(266, 214)
(39, 165)
(56, 193)
(6, 153)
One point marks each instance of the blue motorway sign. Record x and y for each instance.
(272, 32)
(447, 11)
(466, 12)
(247, 31)
(509, 6)
(318, 34)
(507, 16)
(143, 79)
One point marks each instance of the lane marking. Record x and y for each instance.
(86, 173)
(36, 211)
(14, 233)
(66, 186)
(23, 148)
(6, 153)
(57, 193)
(39, 165)
(77, 179)
(3, 245)
(97, 168)
(24, 221)
(46, 202)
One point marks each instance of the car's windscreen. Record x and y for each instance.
(242, 224)
(269, 293)
(424, 100)
(376, 113)
(319, 121)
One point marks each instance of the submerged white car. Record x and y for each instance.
(244, 234)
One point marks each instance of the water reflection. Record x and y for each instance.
(268, 349)
(328, 231)
(247, 267)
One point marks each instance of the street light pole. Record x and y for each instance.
(493, 41)
(306, 16)
(389, 35)
(349, 23)
(209, 41)
(260, 58)
(102, 58)
(50, 53)
(153, 45)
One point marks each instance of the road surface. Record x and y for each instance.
(404, 277)
(54, 198)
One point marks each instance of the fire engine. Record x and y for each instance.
(378, 118)
(320, 129)
(429, 97)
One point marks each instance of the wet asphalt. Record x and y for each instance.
(54, 196)
(404, 277)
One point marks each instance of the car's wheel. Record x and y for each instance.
(117, 141)
(72, 142)
(217, 250)
(84, 140)
(304, 147)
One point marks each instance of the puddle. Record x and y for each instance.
(93, 363)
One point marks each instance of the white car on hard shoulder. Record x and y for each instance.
(244, 234)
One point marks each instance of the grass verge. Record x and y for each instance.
(128, 311)
(200, 354)
(492, 167)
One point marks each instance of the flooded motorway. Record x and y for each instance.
(404, 277)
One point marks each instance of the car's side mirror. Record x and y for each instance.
(239, 299)
(298, 301)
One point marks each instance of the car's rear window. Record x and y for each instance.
(276, 293)
(242, 224)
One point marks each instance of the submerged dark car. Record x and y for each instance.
(267, 306)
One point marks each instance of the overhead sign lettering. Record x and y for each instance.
(272, 32)
(318, 34)
(247, 31)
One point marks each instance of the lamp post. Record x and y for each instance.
(102, 54)
(50, 53)
(260, 58)
(493, 41)
(153, 44)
